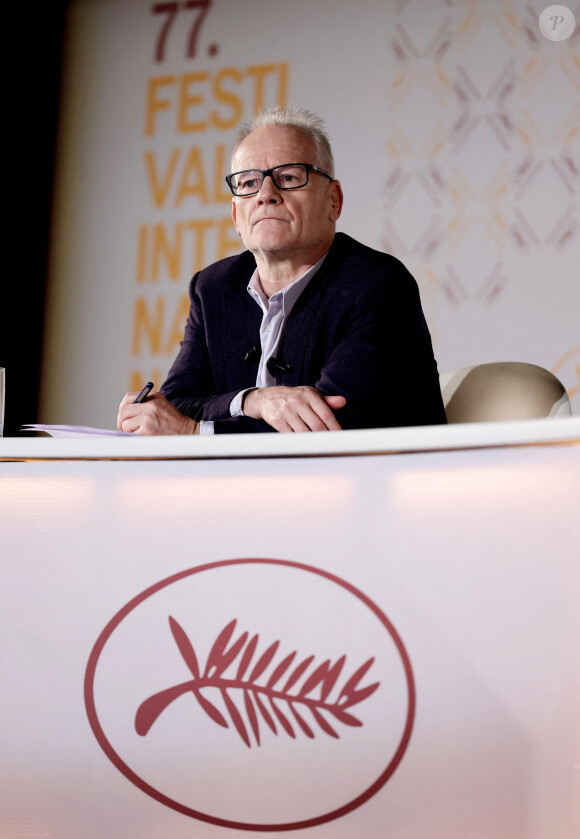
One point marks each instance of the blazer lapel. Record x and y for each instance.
(299, 326)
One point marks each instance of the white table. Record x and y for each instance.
(451, 556)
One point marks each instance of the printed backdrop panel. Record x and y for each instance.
(455, 125)
(351, 647)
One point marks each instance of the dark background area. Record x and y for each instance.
(34, 36)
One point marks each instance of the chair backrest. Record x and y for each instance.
(503, 390)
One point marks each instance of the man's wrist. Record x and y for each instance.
(189, 426)
(247, 401)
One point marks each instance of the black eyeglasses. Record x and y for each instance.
(286, 176)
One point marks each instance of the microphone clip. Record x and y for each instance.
(253, 355)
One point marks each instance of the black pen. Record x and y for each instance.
(145, 392)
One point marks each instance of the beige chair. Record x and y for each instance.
(504, 390)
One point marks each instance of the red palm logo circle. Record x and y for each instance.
(257, 694)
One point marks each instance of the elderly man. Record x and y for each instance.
(306, 330)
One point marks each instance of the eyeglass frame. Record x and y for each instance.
(268, 172)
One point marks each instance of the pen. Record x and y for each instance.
(145, 392)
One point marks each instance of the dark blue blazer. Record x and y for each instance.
(357, 331)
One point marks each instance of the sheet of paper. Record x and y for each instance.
(74, 430)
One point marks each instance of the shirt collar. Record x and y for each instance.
(287, 295)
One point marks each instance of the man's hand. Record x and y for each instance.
(153, 416)
(293, 408)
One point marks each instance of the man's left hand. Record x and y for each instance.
(300, 408)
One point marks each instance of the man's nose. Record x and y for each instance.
(269, 192)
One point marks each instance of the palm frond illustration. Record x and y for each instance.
(279, 701)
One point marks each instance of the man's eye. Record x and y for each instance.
(290, 177)
(248, 183)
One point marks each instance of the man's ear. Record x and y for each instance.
(234, 217)
(337, 199)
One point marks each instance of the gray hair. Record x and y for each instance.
(302, 120)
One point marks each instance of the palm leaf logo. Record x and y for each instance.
(274, 700)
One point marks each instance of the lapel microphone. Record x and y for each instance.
(274, 365)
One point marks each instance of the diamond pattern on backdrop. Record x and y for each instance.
(481, 149)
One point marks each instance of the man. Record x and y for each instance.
(307, 330)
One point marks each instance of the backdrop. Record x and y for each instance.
(455, 125)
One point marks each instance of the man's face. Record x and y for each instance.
(295, 224)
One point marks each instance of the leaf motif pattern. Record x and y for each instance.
(306, 708)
